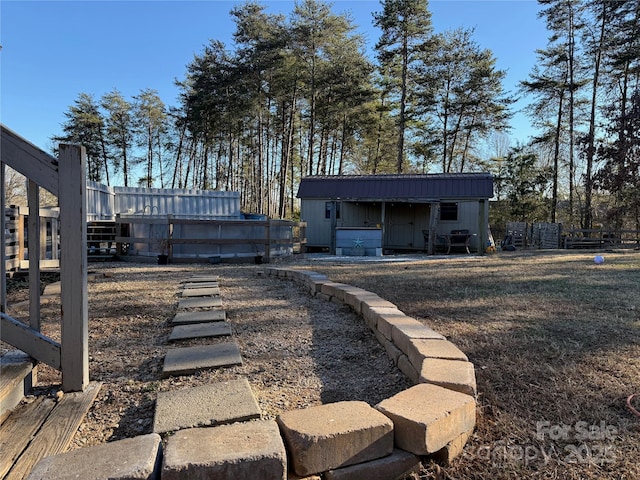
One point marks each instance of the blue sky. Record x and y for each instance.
(54, 50)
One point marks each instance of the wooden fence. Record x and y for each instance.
(545, 235)
(13, 248)
(601, 238)
(542, 235)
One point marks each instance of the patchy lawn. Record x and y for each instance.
(556, 344)
(555, 340)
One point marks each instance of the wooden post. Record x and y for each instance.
(434, 214)
(169, 239)
(42, 255)
(3, 254)
(383, 224)
(560, 245)
(267, 246)
(483, 227)
(20, 231)
(334, 223)
(120, 233)
(33, 244)
(55, 239)
(73, 267)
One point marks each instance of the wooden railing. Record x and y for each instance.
(65, 178)
(17, 256)
(13, 245)
(554, 235)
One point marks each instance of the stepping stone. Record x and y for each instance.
(206, 405)
(137, 457)
(242, 451)
(201, 278)
(200, 302)
(200, 285)
(188, 360)
(201, 292)
(183, 318)
(199, 330)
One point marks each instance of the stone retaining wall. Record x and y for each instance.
(434, 418)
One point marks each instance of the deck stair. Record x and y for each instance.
(101, 241)
(34, 427)
(17, 376)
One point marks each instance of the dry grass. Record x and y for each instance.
(554, 338)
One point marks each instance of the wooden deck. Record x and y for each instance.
(44, 427)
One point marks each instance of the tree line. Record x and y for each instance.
(297, 95)
(585, 89)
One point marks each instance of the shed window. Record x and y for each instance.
(449, 211)
(327, 209)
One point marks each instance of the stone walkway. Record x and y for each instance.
(227, 405)
(200, 315)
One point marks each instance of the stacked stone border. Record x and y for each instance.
(426, 357)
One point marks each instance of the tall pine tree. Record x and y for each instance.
(406, 32)
(119, 131)
(85, 125)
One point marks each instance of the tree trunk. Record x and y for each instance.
(454, 141)
(403, 102)
(588, 182)
(343, 147)
(287, 151)
(149, 156)
(105, 158)
(177, 170)
(556, 158)
(572, 88)
(465, 150)
(445, 126)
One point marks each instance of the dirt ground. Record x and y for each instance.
(294, 347)
(554, 338)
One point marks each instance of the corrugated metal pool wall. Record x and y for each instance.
(177, 202)
(100, 202)
(104, 203)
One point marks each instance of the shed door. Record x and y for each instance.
(400, 226)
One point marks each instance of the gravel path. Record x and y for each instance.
(297, 350)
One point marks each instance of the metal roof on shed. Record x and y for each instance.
(428, 187)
